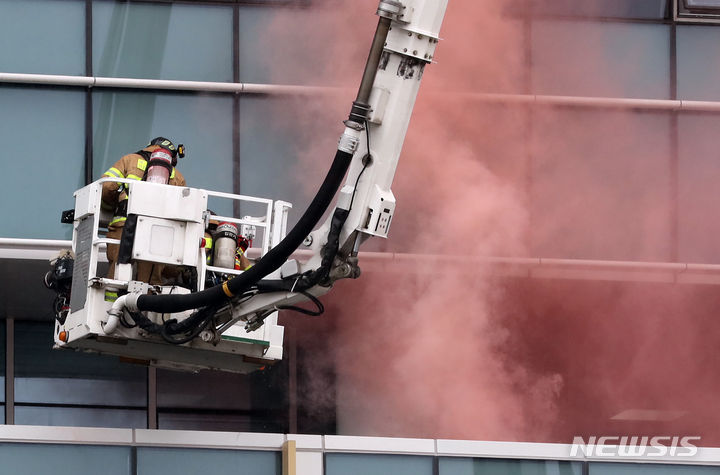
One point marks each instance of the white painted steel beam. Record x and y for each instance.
(43, 249)
(310, 449)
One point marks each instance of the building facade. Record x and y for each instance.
(597, 116)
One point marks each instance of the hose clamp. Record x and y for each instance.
(348, 143)
(391, 9)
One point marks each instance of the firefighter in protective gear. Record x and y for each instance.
(135, 166)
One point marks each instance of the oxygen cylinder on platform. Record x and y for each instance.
(225, 244)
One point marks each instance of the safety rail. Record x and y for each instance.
(273, 228)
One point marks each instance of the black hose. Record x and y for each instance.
(270, 262)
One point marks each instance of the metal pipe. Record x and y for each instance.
(371, 66)
(580, 101)
(28, 248)
(134, 83)
(34, 246)
(281, 89)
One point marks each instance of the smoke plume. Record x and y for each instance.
(446, 347)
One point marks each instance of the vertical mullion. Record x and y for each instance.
(674, 153)
(9, 371)
(89, 174)
(236, 108)
(152, 419)
(529, 117)
(292, 381)
(88, 94)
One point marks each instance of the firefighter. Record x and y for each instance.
(154, 163)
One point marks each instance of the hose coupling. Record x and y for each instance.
(391, 9)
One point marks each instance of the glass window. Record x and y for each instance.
(214, 400)
(296, 45)
(487, 142)
(580, 58)
(79, 416)
(201, 419)
(156, 41)
(282, 158)
(699, 169)
(600, 185)
(640, 9)
(32, 42)
(2, 369)
(152, 461)
(492, 58)
(42, 159)
(65, 459)
(208, 400)
(125, 122)
(597, 468)
(377, 464)
(47, 380)
(698, 63)
(470, 466)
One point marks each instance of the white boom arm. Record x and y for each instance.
(412, 37)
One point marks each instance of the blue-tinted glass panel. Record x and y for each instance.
(125, 122)
(698, 63)
(299, 45)
(699, 195)
(42, 158)
(377, 464)
(216, 421)
(80, 416)
(42, 37)
(654, 469)
(44, 376)
(206, 389)
(580, 58)
(2, 367)
(470, 466)
(641, 9)
(37, 459)
(181, 395)
(281, 158)
(162, 41)
(152, 461)
(600, 185)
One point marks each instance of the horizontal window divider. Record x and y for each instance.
(592, 102)
(176, 85)
(284, 89)
(533, 267)
(62, 405)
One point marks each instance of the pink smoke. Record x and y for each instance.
(441, 350)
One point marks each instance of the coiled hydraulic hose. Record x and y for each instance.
(270, 262)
